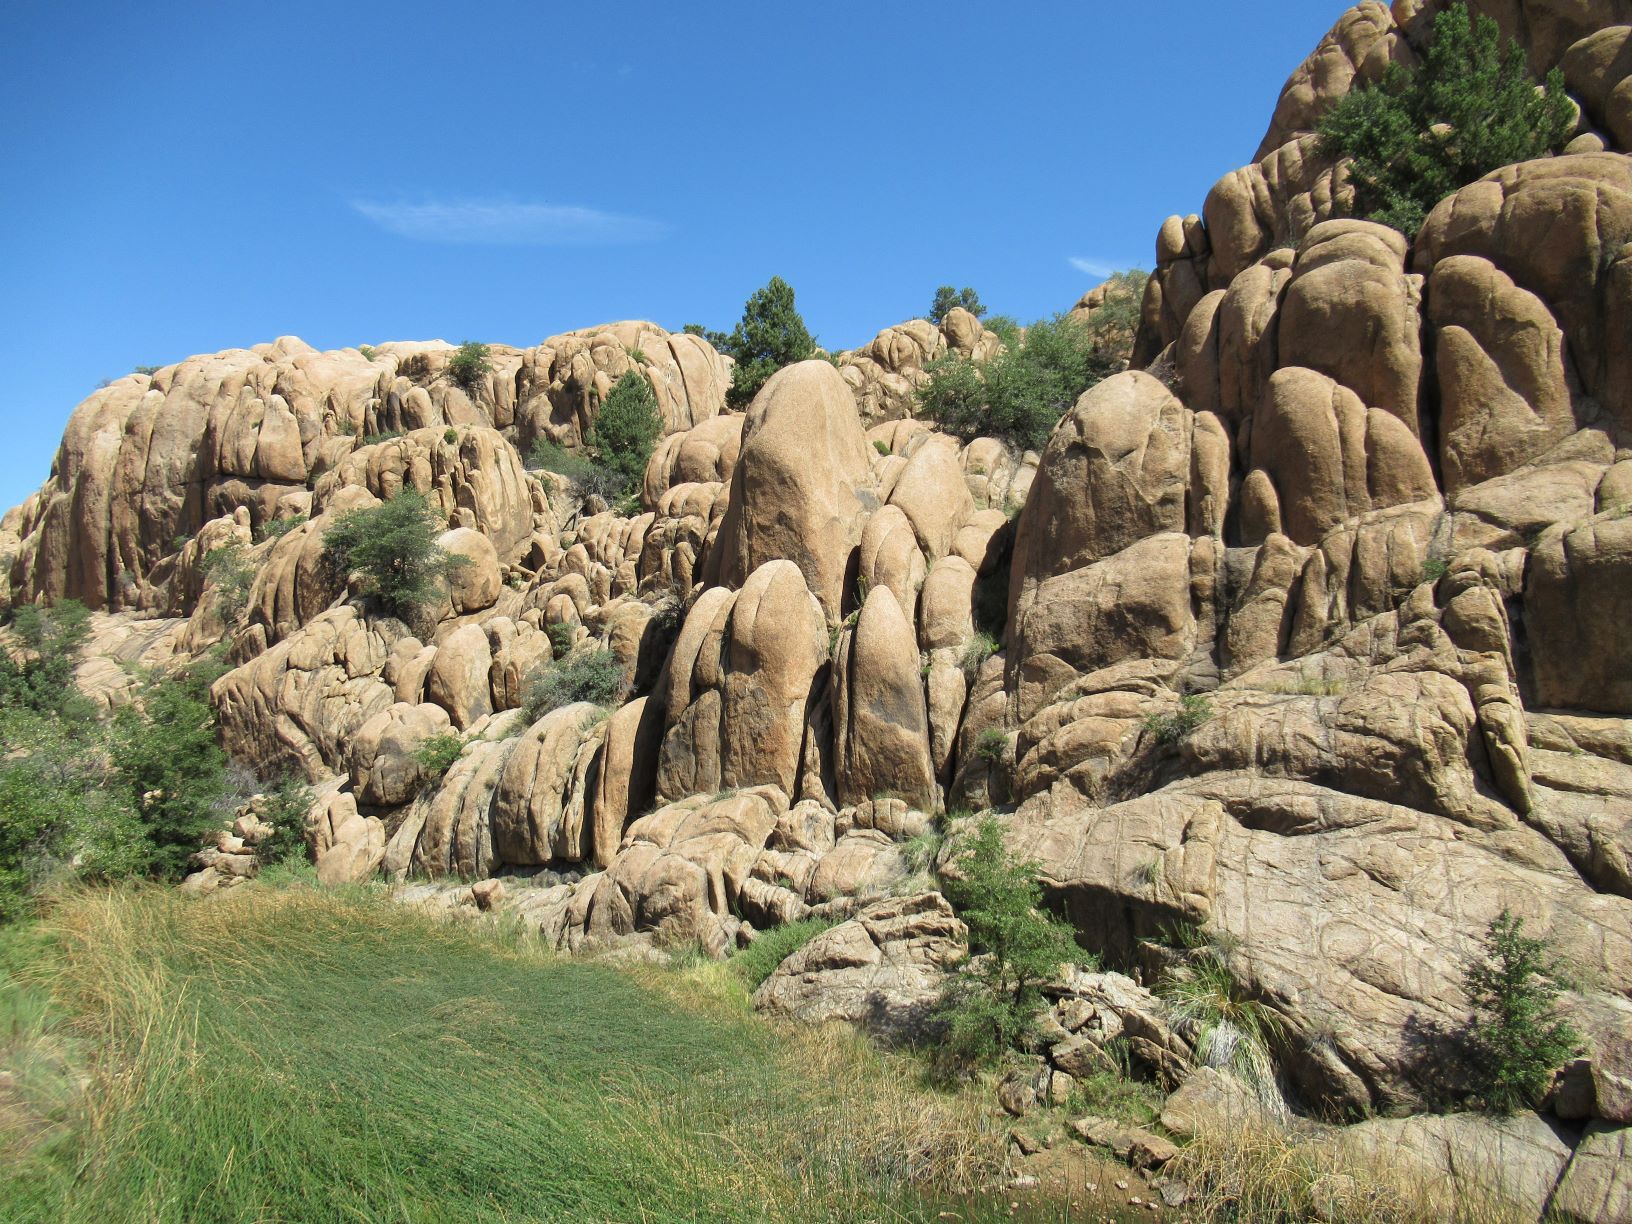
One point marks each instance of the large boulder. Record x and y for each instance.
(881, 723)
(883, 970)
(800, 489)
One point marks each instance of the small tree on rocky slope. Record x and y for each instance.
(947, 299)
(1516, 1040)
(991, 1005)
(771, 334)
(1416, 136)
(394, 546)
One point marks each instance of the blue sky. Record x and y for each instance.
(189, 176)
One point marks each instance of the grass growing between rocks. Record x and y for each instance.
(292, 1055)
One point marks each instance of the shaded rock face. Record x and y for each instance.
(1315, 643)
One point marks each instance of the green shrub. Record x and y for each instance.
(991, 744)
(991, 1005)
(594, 676)
(229, 570)
(149, 370)
(38, 672)
(277, 528)
(450, 435)
(626, 429)
(1515, 1037)
(771, 334)
(585, 478)
(1434, 568)
(561, 638)
(1021, 394)
(286, 805)
(759, 959)
(367, 350)
(469, 365)
(164, 747)
(437, 753)
(394, 546)
(881, 446)
(947, 299)
(1418, 135)
(1007, 328)
(1193, 710)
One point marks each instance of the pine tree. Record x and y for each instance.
(947, 299)
(1417, 136)
(770, 335)
(1516, 1037)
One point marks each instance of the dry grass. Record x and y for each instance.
(1256, 1172)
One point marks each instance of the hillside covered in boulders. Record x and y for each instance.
(1301, 645)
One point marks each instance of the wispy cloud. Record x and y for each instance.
(507, 223)
(1093, 267)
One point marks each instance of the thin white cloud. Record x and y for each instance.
(1092, 267)
(507, 223)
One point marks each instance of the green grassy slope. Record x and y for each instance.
(294, 1056)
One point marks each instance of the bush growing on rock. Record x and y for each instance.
(948, 299)
(1228, 1028)
(230, 571)
(394, 546)
(1021, 394)
(626, 429)
(37, 672)
(469, 365)
(585, 478)
(1193, 710)
(594, 676)
(437, 753)
(1418, 135)
(284, 807)
(1516, 1040)
(992, 1003)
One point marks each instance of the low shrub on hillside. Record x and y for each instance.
(437, 753)
(760, 959)
(594, 676)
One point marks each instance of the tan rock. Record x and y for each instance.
(881, 724)
(800, 487)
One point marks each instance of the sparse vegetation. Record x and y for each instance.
(277, 528)
(881, 446)
(149, 370)
(1194, 709)
(759, 959)
(469, 365)
(991, 745)
(367, 350)
(1515, 1038)
(1434, 568)
(393, 545)
(1419, 134)
(450, 435)
(948, 299)
(1228, 1028)
(976, 651)
(437, 753)
(594, 676)
(992, 1004)
(1021, 394)
(230, 572)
